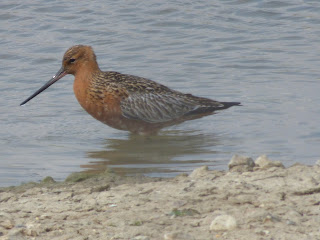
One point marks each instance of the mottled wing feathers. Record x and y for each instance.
(164, 107)
(154, 108)
(151, 102)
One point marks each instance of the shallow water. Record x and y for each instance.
(262, 53)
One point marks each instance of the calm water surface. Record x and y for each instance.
(263, 53)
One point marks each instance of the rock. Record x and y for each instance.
(199, 172)
(4, 197)
(185, 212)
(7, 224)
(32, 229)
(293, 217)
(48, 180)
(178, 236)
(141, 238)
(78, 177)
(223, 223)
(269, 218)
(100, 188)
(15, 234)
(6, 220)
(289, 222)
(241, 164)
(262, 232)
(263, 162)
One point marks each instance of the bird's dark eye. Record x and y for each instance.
(72, 60)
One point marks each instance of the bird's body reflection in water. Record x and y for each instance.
(163, 155)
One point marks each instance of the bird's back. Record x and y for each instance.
(145, 100)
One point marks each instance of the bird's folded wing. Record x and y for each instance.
(154, 108)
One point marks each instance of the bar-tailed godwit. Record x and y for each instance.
(128, 102)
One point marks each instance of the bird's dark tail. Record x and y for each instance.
(229, 104)
(203, 111)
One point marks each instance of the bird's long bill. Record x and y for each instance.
(61, 73)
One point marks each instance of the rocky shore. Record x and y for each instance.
(253, 200)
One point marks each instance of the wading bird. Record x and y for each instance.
(127, 102)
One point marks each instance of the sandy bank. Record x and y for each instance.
(253, 200)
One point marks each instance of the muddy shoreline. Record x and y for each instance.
(252, 200)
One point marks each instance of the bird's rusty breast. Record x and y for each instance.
(96, 91)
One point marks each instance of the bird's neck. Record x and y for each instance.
(86, 69)
(83, 78)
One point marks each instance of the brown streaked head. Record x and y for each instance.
(77, 57)
(74, 59)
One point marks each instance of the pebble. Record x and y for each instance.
(7, 224)
(32, 229)
(293, 217)
(262, 232)
(223, 223)
(141, 238)
(241, 164)
(199, 172)
(15, 234)
(270, 218)
(178, 236)
(289, 222)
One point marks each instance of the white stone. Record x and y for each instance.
(223, 223)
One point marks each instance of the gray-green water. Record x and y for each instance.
(265, 54)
